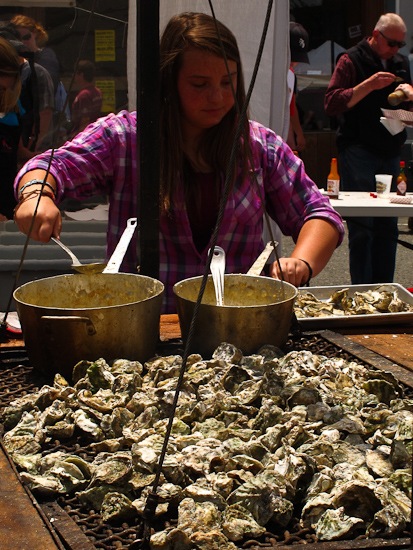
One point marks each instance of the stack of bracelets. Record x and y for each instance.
(23, 197)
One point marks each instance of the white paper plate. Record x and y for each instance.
(399, 114)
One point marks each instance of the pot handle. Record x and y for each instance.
(71, 318)
(120, 250)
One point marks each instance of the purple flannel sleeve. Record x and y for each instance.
(291, 197)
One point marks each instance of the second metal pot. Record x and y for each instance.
(256, 311)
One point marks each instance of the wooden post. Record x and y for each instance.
(147, 100)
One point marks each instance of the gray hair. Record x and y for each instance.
(388, 20)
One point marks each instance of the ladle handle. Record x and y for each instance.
(259, 263)
(75, 260)
(120, 250)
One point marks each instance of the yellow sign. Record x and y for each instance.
(105, 45)
(107, 87)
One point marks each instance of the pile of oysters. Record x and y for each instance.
(257, 442)
(381, 299)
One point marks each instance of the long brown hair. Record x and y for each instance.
(9, 66)
(194, 30)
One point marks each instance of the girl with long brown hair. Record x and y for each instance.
(202, 92)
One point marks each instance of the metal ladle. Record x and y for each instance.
(116, 259)
(76, 264)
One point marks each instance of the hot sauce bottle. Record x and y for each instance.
(333, 181)
(401, 180)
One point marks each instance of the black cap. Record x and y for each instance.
(298, 43)
(9, 32)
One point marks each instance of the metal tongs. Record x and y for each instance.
(218, 270)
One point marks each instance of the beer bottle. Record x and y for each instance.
(397, 97)
(333, 181)
(402, 180)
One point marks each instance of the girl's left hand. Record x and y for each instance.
(294, 271)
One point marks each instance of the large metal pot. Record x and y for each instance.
(256, 311)
(68, 318)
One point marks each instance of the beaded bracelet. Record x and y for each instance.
(310, 271)
(37, 182)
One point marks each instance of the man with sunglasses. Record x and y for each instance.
(363, 78)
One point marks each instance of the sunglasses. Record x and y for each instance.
(26, 36)
(393, 43)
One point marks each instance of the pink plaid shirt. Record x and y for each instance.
(102, 160)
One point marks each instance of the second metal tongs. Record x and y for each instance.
(218, 268)
(218, 271)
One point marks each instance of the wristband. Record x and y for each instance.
(310, 271)
(37, 182)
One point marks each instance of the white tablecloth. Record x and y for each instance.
(358, 203)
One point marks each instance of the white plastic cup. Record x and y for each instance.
(383, 184)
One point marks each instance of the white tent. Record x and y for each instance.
(246, 19)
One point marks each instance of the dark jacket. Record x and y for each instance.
(361, 124)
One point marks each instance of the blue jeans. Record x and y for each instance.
(372, 241)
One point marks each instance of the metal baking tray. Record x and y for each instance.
(324, 293)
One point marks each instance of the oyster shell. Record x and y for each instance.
(378, 463)
(335, 525)
(111, 468)
(198, 516)
(263, 496)
(170, 539)
(117, 507)
(238, 524)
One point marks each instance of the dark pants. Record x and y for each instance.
(372, 241)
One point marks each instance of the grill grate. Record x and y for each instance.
(18, 378)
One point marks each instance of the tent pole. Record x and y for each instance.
(147, 143)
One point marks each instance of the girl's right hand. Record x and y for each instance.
(47, 221)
